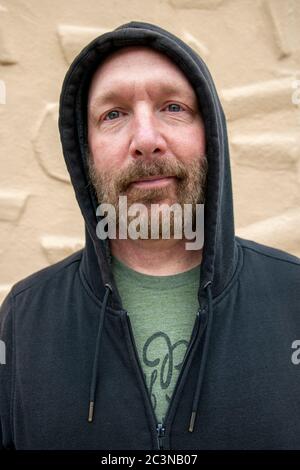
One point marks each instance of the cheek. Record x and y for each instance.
(109, 154)
(198, 139)
(191, 144)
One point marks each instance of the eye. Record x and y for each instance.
(109, 114)
(174, 104)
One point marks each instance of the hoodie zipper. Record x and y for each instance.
(160, 435)
(160, 427)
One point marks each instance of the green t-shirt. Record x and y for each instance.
(162, 311)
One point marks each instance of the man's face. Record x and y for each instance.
(144, 124)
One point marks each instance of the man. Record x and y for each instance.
(140, 343)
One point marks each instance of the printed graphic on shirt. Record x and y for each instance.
(162, 362)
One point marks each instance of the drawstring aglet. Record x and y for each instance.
(91, 412)
(192, 421)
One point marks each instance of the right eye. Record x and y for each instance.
(110, 113)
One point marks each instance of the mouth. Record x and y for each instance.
(154, 181)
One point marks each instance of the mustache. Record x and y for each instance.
(142, 169)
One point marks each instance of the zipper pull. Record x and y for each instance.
(160, 435)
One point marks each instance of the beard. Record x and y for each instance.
(190, 188)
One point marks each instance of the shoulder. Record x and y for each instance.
(265, 262)
(56, 271)
(267, 253)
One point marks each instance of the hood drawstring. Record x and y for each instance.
(204, 358)
(96, 355)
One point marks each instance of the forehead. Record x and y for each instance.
(138, 68)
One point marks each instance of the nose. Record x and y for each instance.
(147, 140)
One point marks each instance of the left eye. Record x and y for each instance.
(174, 104)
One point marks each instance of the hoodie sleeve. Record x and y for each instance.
(6, 372)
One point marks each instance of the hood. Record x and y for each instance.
(219, 255)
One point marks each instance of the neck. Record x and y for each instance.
(156, 257)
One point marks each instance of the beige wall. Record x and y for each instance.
(252, 48)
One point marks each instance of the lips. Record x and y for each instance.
(152, 178)
(153, 182)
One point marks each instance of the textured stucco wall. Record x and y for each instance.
(252, 48)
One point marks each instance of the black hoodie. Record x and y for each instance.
(72, 378)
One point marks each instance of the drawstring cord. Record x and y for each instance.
(96, 355)
(203, 360)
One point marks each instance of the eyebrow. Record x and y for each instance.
(111, 95)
